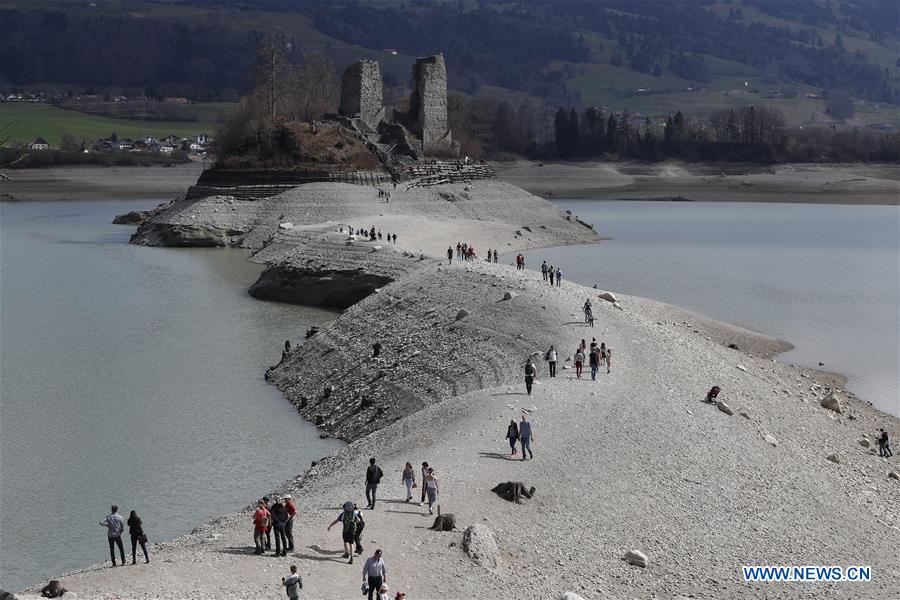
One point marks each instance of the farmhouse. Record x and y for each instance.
(39, 144)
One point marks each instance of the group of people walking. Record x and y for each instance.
(552, 275)
(596, 356)
(372, 234)
(115, 527)
(522, 433)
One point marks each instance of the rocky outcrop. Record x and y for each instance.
(184, 236)
(479, 543)
(331, 289)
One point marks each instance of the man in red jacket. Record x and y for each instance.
(261, 522)
(289, 528)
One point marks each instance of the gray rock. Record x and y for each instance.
(834, 458)
(636, 558)
(462, 314)
(609, 297)
(894, 475)
(745, 414)
(770, 439)
(570, 596)
(724, 407)
(864, 443)
(509, 295)
(479, 544)
(831, 402)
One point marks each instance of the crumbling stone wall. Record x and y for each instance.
(428, 104)
(361, 92)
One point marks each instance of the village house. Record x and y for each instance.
(171, 139)
(39, 144)
(201, 138)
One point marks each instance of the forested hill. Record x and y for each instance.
(641, 54)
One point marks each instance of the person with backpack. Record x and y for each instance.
(512, 434)
(279, 523)
(558, 277)
(349, 520)
(136, 531)
(373, 478)
(594, 360)
(374, 573)
(269, 526)
(525, 436)
(530, 372)
(261, 521)
(293, 583)
(544, 270)
(551, 357)
(289, 528)
(115, 525)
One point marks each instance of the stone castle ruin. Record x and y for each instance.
(361, 93)
(420, 132)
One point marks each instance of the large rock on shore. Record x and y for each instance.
(831, 402)
(480, 545)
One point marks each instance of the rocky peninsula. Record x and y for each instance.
(634, 461)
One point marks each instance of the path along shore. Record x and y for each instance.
(633, 461)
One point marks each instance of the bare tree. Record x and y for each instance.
(271, 71)
(314, 87)
(17, 157)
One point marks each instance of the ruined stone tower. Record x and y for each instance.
(428, 105)
(361, 92)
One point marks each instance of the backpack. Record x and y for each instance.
(265, 521)
(349, 521)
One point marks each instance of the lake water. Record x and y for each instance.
(824, 277)
(133, 376)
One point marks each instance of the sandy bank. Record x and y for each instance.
(812, 183)
(99, 183)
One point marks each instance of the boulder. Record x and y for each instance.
(479, 544)
(834, 458)
(894, 475)
(570, 596)
(287, 225)
(724, 407)
(509, 295)
(770, 439)
(864, 443)
(513, 491)
(609, 297)
(636, 558)
(462, 314)
(831, 402)
(444, 522)
(742, 368)
(4, 595)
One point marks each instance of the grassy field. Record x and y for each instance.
(49, 122)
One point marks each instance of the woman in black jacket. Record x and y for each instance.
(512, 434)
(136, 530)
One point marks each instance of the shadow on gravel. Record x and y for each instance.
(239, 550)
(508, 394)
(321, 550)
(496, 455)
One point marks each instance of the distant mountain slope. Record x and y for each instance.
(650, 56)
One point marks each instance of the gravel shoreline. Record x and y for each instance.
(634, 461)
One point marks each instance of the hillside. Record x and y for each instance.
(652, 58)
